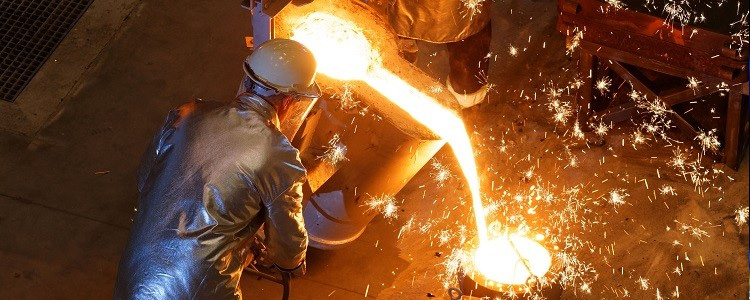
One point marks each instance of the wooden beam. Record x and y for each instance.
(623, 72)
(586, 71)
(732, 134)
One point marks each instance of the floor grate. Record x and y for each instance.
(29, 31)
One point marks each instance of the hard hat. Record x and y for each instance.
(285, 66)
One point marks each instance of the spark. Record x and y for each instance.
(680, 12)
(617, 197)
(346, 99)
(406, 227)
(454, 262)
(708, 141)
(603, 85)
(562, 111)
(436, 89)
(385, 204)
(615, 4)
(679, 159)
(601, 129)
(585, 288)
(440, 173)
(513, 51)
(667, 190)
(741, 216)
(677, 271)
(638, 138)
(473, 7)
(444, 237)
(643, 283)
(335, 151)
(695, 231)
(577, 132)
(693, 83)
(575, 42)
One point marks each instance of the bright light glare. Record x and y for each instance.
(341, 49)
(498, 261)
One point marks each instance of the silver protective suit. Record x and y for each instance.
(213, 174)
(437, 21)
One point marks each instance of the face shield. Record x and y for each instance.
(296, 114)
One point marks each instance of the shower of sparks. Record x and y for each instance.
(638, 138)
(643, 283)
(741, 216)
(574, 43)
(346, 99)
(658, 122)
(440, 173)
(617, 197)
(385, 204)
(513, 51)
(615, 5)
(561, 110)
(693, 83)
(603, 85)
(453, 264)
(335, 151)
(679, 159)
(444, 237)
(694, 231)
(677, 10)
(436, 89)
(667, 190)
(406, 227)
(473, 7)
(601, 129)
(708, 141)
(577, 132)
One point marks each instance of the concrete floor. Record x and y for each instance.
(71, 143)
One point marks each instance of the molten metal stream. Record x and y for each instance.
(343, 52)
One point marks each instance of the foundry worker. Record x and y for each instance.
(462, 25)
(214, 174)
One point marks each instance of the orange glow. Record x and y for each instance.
(343, 52)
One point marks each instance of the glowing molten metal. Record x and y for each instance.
(343, 52)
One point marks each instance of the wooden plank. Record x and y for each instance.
(617, 114)
(732, 133)
(638, 85)
(685, 94)
(586, 92)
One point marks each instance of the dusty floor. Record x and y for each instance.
(70, 146)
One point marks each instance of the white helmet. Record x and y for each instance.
(285, 66)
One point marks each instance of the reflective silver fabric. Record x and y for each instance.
(437, 21)
(213, 174)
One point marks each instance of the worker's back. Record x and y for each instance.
(205, 186)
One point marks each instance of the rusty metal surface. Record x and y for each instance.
(381, 160)
(643, 39)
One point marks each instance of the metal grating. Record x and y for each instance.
(30, 30)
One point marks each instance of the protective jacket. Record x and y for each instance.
(213, 174)
(438, 21)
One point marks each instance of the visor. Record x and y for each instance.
(311, 91)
